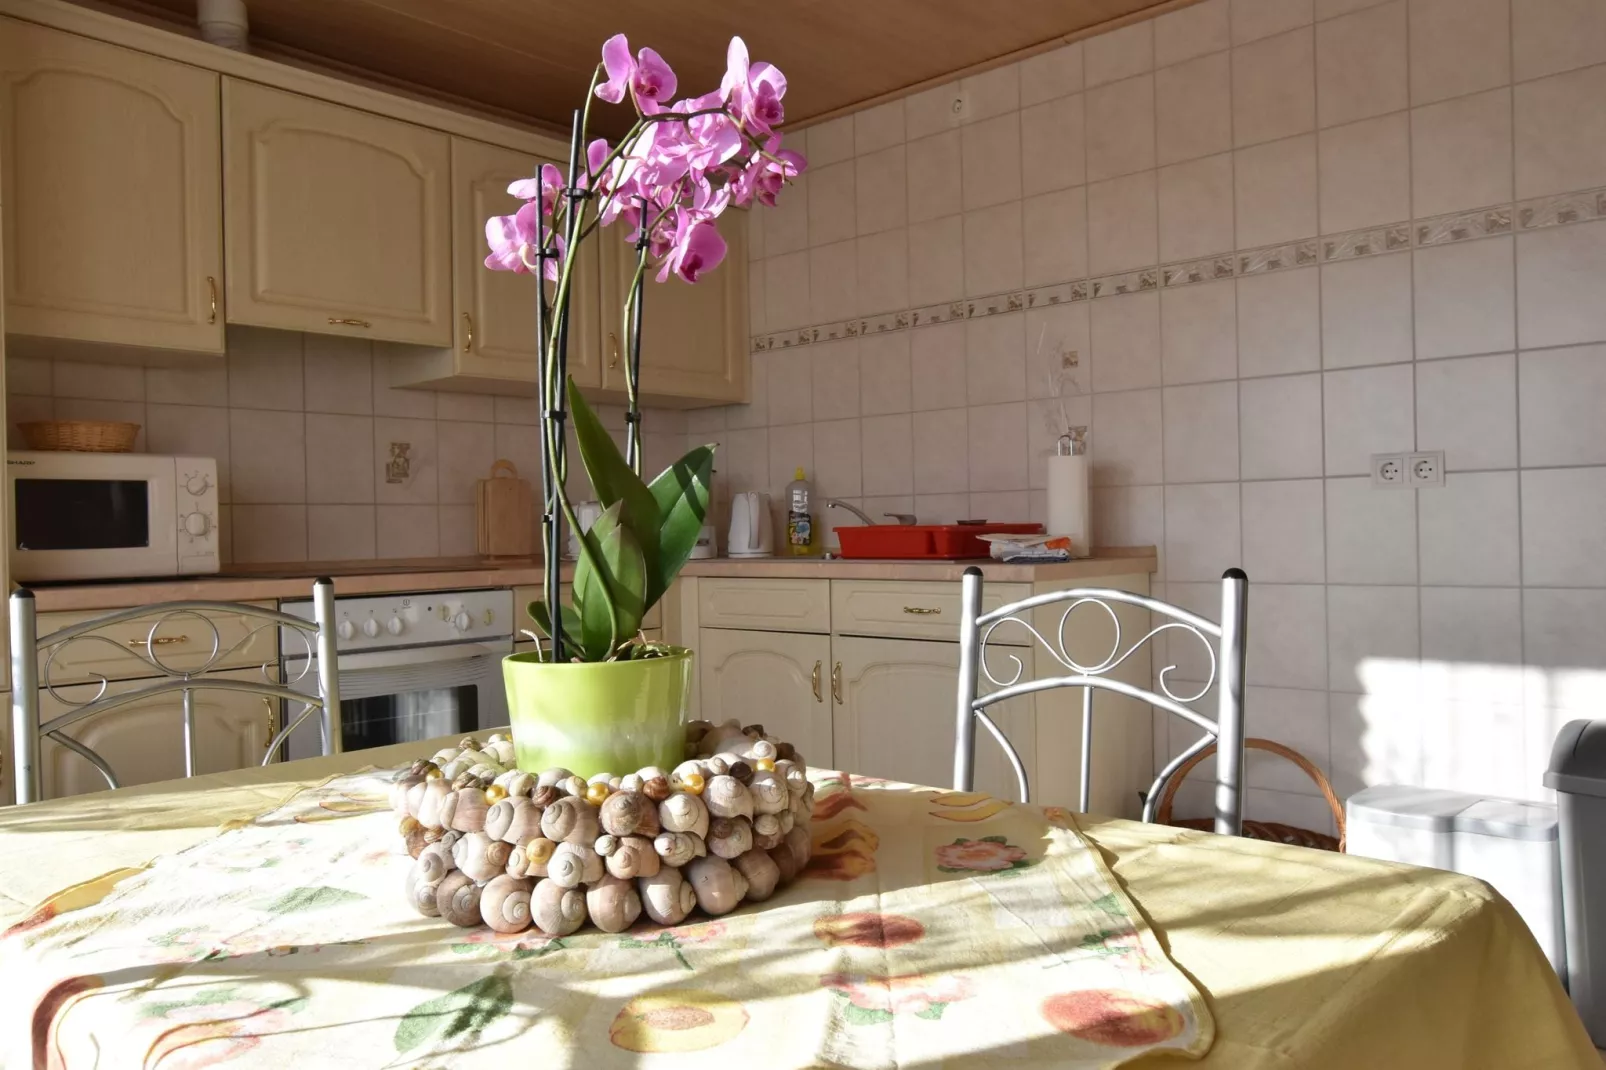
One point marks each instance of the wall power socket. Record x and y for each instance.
(1408, 470)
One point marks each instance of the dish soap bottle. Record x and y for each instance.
(799, 522)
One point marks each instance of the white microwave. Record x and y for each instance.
(96, 516)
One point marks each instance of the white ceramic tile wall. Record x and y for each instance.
(301, 427)
(1344, 227)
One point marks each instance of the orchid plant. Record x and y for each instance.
(679, 166)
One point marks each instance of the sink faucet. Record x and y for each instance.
(838, 503)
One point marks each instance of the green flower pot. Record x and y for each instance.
(605, 717)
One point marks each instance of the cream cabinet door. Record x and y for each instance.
(112, 193)
(143, 742)
(894, 714)
(694, 337)
(496, 339)
(776, 679)
(336, 221)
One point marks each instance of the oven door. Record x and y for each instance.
(402, 696)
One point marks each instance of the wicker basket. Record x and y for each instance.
(1263, 830)
(80, 436)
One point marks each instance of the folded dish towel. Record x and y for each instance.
(1028, 548)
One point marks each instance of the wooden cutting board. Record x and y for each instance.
(504, 513)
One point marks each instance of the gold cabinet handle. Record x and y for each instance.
(161, 640)
(346, 322)
(613, 348)
(267, 704)
(836, 682)
(815, 679)
(921, 611)
(468, 325)
(211, 286)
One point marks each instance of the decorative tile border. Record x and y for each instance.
(1584, 206)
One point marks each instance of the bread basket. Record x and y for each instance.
(79, 436)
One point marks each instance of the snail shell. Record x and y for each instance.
(601, 778)
(480, 856)
(434, 862)
(516, 782)
(514, 819)
(398, 791)
(769, 793)
(760, 748)
(656, 788)
(415, 797)
(545, 797)
(725, 736)
(725, 796)
(683, 812)
(720, 886)
(691, 765)
(530, 859)
(735, 765)
(421, 889)
(429, 810)
(696, 729)
(613, 904)
(556, 910)
(629, 782)
(457, 899)
(767, 831)
(786, 751)
(729, 837)
(573, 786)
(450, 770)
(572, 820)
(469, 813)
(502, 750)
(787, 820)
(629, 813)
(574, 864)
(761, 872)
(678, 848)
(551, 777)
(505, 904)
(666, 896)
(800, 844)
(630, 856)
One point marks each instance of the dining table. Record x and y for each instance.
(257, 918)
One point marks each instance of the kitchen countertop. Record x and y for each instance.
(263, 583)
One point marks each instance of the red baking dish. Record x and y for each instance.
(905, 541)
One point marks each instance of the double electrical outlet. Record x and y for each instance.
(1408, 470)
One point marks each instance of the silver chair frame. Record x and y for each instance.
(27, 679)
(1227, 731)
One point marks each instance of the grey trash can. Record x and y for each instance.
(1578, 773)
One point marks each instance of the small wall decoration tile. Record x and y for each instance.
(1277, 258)
(1442, 230)
(1561, 210)
(1367, 242)
(1127, 282)
(1206, 270)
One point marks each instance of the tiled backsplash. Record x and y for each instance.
(301, 427)
(1279, 236)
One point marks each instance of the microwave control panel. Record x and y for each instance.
(195, 495)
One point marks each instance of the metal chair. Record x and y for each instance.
(976, 627)
(33, 658)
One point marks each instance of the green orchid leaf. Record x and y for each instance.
(460, 1015)
(611, 599)
(681, 492)
(543, 621)
(612, 479)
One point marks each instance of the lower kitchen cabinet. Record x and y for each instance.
(144, 741)
(776, 679)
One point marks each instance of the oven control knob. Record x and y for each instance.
(197, 524)
(394, 625)
(345, 629)
(463, 621)
(370, 627)
(197, 484)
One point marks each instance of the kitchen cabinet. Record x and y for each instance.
(694, 348)
(143, 742)
(336, 221)
(775, 679)
(112, 178)
(495, 349)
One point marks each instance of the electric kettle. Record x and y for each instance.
(752, 532)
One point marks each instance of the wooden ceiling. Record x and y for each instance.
(532, 58)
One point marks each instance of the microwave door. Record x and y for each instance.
(67, 527)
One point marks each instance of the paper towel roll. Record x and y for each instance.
(1069, 510)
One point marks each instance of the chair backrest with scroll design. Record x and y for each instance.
(34, 657)
(1226, 668)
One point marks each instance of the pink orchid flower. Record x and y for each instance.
(548, 186)
(754, 90)
(647, 76)
(512, 242)
(697, 247)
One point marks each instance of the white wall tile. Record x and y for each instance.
(267, 458)
(338, 374)
(882, 271)
(1461, 153)
(1058, 351)
(942, 508)
(1046, 420)
(830, 142)
(421, 485)
(1129, 516)
(35, 375)
(1469, 531)
(1556, 35)
(1007, 505)
(1199, 332)
(937, 361)
(1120, 128)
(881, 186)
(831, 203)
(457, 526)
(887, 449)
(1367, 411)
(1051, 74)
(786, 291)
(1201, 530)
(340, 533)
(1126, 341)
(833, 282)
(1561, 391)
(1279, 322)
(1560, 132)
(265, 369)
(878, 127)
(1564, 630)
(836, 379)
(521, 444)
(1274, 88)
(1126, 438)
(1254, 19)
(1123, 223)
(933, 176)
(1557, 286)
(757, 312)
(1201, 433)
(266, 534)
(1288, 636)
(1284, 532)
(1120, 53)
(1280, 420)
(1361, 64)
(1366, 625)
(1275, 191)
(837, 459)
(1468, 409)
(1054, 236)
(1365, 173)
(340, 459)
(102, 382)
(941, 451)
(1453, 52)
(1371, 533)
(1196, 211)
(995, 360)
(1465, 298)
(1193, 108)
(791, 387)
(1366, 311)
(132, 412)
(786, 226)
(1192, 31)
(407, 531)
(930, 110)
(1563, 515)
(1053, 145)
(185, 431)
(477, 408)
(791, 448)
(993, 249)
(1469, 627)
(511, 410)
(743, 458)
(884, 381)
(1297, 719)
(990, 161)
(991, 93)
(936, 260)
(997, 447)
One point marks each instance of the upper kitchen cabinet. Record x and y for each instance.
(336, 221)
(112, 194)
(694, 337)
(495, 349)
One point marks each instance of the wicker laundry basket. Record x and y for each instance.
(80, 436)
(1263, 830)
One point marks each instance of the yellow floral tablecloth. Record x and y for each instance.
(931, 928)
